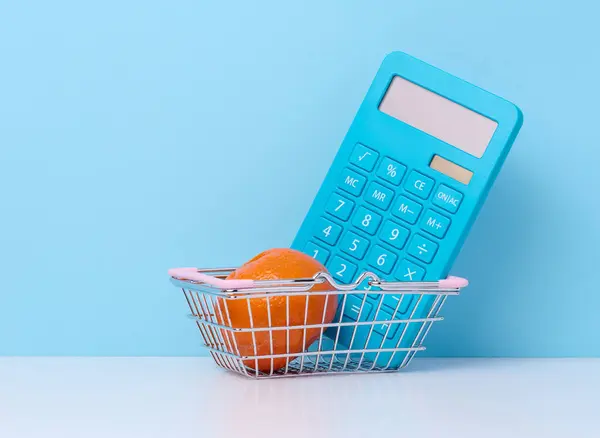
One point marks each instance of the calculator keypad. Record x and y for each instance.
(384, 218)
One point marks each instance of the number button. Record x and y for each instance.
(379, 196)
(406, 209)
(382, 259)
(339, 207)
(422, 248)
(364, 157)
(434, 223)
(354, 245)
(366, 220)
(327, 231)
(447, 198)
(383, 328)
(357, 309)
(364, 285)
(342, 270)
(394, 234)
(352, 182)
(391, 171)
(316, 252)
(419, 184)
(408, 271)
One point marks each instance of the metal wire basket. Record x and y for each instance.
(281, 328)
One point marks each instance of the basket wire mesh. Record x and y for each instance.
(254, 349)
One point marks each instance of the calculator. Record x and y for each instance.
(403, 191)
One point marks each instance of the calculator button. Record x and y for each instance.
(391, 171)
(447, 198)
(391, 302)
(408, 271)
(354, 245)
(406, 209)
(352, 182)
(364, 285)
(434, 223)
(383, 328)
(327, 231)
(352, 309)
(422, 248)
(382, 259)
(339, 207)
(316, 252)
(366, 220)
(379, 196)
(419, 184)
(364, 157)
(394, 234)
(342, 270)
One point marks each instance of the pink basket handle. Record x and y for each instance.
(193, 275)
(453, 283)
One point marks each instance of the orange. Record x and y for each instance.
(277, 264)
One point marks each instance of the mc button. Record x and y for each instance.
(352, 182)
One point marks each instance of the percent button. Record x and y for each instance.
(391, 171)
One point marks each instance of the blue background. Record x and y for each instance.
(138, 136)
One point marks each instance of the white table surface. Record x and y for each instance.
(190, 397)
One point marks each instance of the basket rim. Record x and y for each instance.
(215, 279)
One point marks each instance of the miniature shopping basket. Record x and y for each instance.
(270, 328)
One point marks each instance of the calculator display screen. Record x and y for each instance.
(437, 116)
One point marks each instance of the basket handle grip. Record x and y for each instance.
(453, 283)
(193, 275)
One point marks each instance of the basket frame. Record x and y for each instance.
(205, 289)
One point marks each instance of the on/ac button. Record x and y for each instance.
(447, 198)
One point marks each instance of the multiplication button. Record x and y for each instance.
(364, 157)
(422, 248)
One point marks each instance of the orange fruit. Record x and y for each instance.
(277, 264)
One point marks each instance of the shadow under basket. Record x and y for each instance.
(302, 327)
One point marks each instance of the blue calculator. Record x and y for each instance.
(404, 189)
